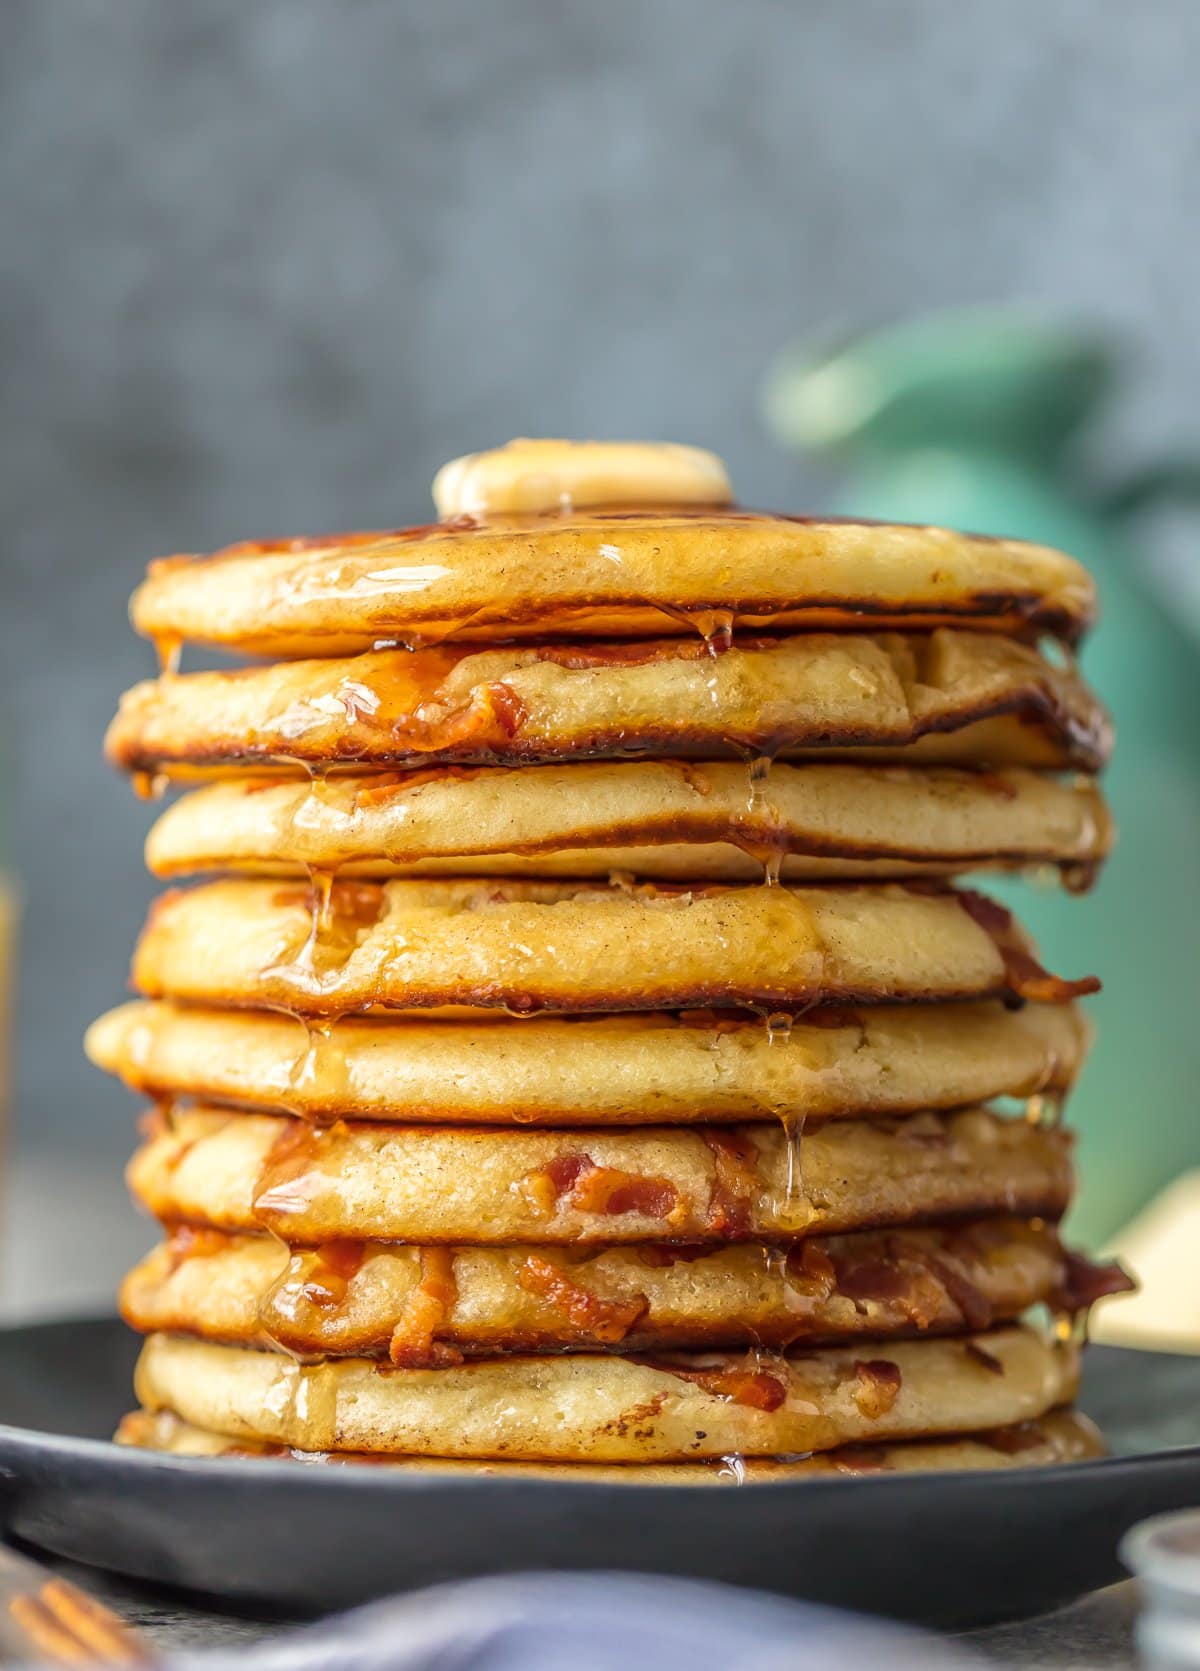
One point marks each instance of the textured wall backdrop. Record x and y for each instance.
(264, 265)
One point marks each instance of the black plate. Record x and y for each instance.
(947, 1549)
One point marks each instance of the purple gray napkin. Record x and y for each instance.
(592, 1622)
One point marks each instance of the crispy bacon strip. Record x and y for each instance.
(878, 1386)
(599, 1319)
(426, 1310)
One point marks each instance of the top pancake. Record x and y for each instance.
(604, 574)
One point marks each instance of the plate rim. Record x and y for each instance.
(38, 1442)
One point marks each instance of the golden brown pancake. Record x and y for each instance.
(606, 1408)
(528, 946)
(1061, 1436)
(959, 698)
(652, 1183)
(626, 1070)
(629, 575)
(663, 820)
(423, 1306)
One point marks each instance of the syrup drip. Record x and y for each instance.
(149, 786)
(770, 1367)
(733, 1468)
(791, 1202)
(314, 1279)
(1045, 1109)
(317, 1065)
(339, 914)
(291, 1174)
(715, 626)
(323, 952)
(768, 844)
(772, 866)
(717, 632)
(303, 1401)
(168, 648)
(1071, 1327)
(779, 1036)
(759, 771)
(162, 1116)
(783, 1294)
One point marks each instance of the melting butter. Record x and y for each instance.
(543, 475)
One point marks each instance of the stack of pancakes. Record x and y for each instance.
(581, 1057)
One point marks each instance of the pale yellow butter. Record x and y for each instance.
(539, 476)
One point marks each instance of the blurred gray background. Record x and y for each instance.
(266, 263)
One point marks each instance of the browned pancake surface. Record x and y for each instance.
(592, 574)
(666, 820)
(956, 698)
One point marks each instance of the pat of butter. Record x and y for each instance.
(536, 476)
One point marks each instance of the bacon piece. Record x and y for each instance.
(192, 1241)
(1011, 1441)
(735, 1181)
(1024, 975)
(757, 1389)
(545, 1188)
(331, 1270)
(985, 1359)
(1084, 1282)
(809, 1267)
(599, 1319)
(608, 1190)
(508, 708)
(860, 1459)
(878, 1386)
(427, 1308)
(605, 1190)
(974, 1304)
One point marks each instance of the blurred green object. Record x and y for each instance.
(973, 420)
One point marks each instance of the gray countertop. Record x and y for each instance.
(42, 1274)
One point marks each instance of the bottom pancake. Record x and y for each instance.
(1062, 1436)
(420, 1306)
(588, 1408)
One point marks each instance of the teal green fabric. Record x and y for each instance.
(972, 421)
